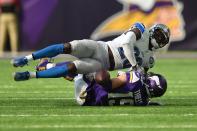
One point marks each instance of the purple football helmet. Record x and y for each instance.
(157, 84)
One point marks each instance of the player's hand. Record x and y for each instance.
(138, 69)
(141, 72)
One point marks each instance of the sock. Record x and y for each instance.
(49, 51)
(55, 72)
(32, 74)
(50, 65)
(29, 57)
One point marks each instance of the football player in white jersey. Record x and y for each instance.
(134, 49)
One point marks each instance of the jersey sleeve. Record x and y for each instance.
(128, 46)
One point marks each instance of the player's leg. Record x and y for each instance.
(87, 65)
(13, 33)
(83, 48)
(49, 52)
(78, 48)
(54, 72)
(3, 29)
(83, 66)
(91, 56)
(47, 63)
(44, 63)
(102, 78)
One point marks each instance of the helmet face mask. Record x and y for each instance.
(160, 35)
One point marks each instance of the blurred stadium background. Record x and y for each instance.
(49, 105)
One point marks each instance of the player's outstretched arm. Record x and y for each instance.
(119, 81)
(103, 78)
(129, 39)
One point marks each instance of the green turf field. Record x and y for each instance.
(49, 105)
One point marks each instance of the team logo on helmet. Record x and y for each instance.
(156, 84)
(154, 11)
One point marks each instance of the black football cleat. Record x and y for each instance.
(21, 76)
(19, 62)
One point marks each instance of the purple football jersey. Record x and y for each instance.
(98, 96)
(135, 88)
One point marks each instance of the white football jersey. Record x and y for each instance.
(140, 48)
(147, 55)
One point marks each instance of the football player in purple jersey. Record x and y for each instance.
(128, 88)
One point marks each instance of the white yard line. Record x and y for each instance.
(68, 92)
(182, 86)
(181, 92)
(95, 115)
(172, 84)
(177, 98)
(40, 98)
(37, 92)
(70, 98)
(38, 106)
(183, 82)
(101, 126)
(44, 87)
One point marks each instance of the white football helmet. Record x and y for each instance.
(159, 35)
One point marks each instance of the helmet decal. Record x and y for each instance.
(156, 85)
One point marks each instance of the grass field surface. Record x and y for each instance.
(49, 104)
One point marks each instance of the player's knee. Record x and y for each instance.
(67, 48)
(102, 77)
(72, 68)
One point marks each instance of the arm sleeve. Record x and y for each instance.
(128, 47)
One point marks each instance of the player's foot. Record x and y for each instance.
(42, 65)
(21, 61)
(21, 76)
